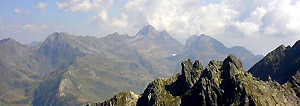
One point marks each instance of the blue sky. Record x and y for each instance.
(249, 23)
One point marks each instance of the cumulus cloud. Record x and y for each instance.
(249, 23)
(35, 28)
(40, 6)
(20, 11)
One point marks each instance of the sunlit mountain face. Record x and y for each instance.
(149, 52)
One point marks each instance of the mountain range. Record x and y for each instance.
(224, 83)
(73, 70)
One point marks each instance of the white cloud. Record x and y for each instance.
(249, 23)
(20, 11)
(103, 15)
(83, 5)
(35, 28)
(122, 22)
(17, 11)
(262, 21)
(40, 6)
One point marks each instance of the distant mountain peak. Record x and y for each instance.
(7, 40)
(206, 37)
(118, 35)
(201, 37)
(147, 30)
(207, 48)
(115, 33)
(59, 33)
(59, 36)
(203, 42)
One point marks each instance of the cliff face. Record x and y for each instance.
(280, 64)
(220, 83)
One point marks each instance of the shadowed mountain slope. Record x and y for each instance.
(280, 64)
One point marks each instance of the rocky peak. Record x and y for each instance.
(10, 47)
(190, 72)
(7, 40)
(197, 65)
(280, 64)
(206, 48)
(120, 99)
(147, 31)
(58, 51)
(116, 35)
(220, 83)
(281, 48)
(295, 50)
(11, 43)
(297, 44)
(232, 59)
(231, 67)
(58, 36)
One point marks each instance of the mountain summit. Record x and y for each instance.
(206, 48)
(147, 31)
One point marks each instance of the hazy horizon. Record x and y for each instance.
(260, 26)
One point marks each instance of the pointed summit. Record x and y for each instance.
(147, 30)
(232, 59)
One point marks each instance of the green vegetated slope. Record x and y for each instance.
(74, 70)
(17, 78)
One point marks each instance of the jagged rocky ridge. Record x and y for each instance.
(281, 65)
(220, 83)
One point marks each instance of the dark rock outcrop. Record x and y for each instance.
(121, 99)
(220, 83)
(280, 64)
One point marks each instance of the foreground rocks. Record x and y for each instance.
(220, 83)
